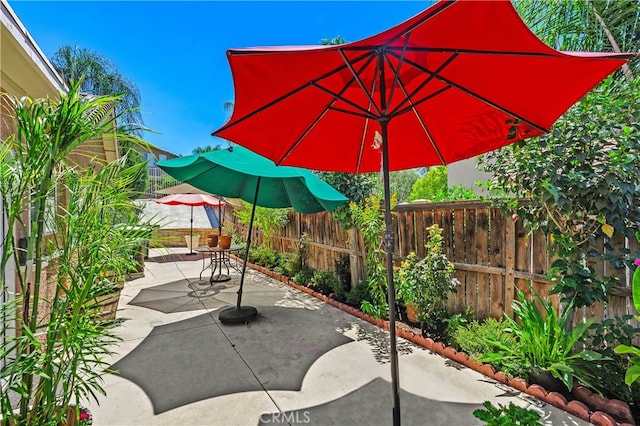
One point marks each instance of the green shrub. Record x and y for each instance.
(425, 284)
(343, 272)
(604, 338)
(476, 339)
(263, 256)
(328, 283)
(284, 264)
(510, 415)
(455, 321)
(358, 294)
(303, 276)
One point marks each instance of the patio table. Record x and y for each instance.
(218, 258)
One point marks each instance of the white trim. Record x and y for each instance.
(11, 21)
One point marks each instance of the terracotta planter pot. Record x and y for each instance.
(412, 313)
(224, 241)
(212, 240)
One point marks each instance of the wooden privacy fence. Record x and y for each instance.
(492, 253)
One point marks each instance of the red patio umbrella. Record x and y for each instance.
(459, 79)
(193, 200)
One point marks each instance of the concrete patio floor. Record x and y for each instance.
(300, 362)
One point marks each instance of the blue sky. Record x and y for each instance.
(174, 52)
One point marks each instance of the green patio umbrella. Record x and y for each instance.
(237, 172)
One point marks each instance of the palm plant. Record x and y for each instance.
(100, 77)
(54, 340)
(586, 25)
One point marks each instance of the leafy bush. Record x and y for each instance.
(369, 218)
(425, 283)
(605, 336)
(304, 276)
(284, 264)
(358, 294)
(476, 339)
(327, 283)
(263, 256)
(343, 272)
(456, 321)
(510, 415)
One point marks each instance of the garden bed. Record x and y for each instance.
(587, 405)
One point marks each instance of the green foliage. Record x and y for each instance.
(476, 339)
(284, 264)
(358, 294)
(208, 148)
(633, 372)
(99, 76)
(598, 26)
(432, 183)
(267, 219)
(327, 283)
(343, 271)
(304, 276)
(632, 376)
(456, 321)
(543, 342)
(356, 187)
(401, 183)
(604, 338)
(56, 348)
(369, 218)
(426, 283)
(581, 183)
(457, 192)
(510, 415)
(263, 255)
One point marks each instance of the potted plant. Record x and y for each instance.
(424, 284)
(55, 338)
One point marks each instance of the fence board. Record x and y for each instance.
(458, 256)
(497, 245)
(471, 258)
(483, 309)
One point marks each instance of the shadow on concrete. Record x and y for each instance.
(198, 358)
(371, 405)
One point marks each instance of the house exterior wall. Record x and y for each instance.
(466, 173)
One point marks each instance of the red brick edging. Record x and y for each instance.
(588, 406)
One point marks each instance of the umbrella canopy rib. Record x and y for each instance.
(429, 79)
(473, 95)
(396, 72)
(339, 96)
(357, 78)
(285, 96)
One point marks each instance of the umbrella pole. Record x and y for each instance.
(391, 291)
(191, 234)
(219, 219)
(246, 252)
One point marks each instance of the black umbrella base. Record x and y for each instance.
(233, 315)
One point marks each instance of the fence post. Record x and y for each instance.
(509, 265)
